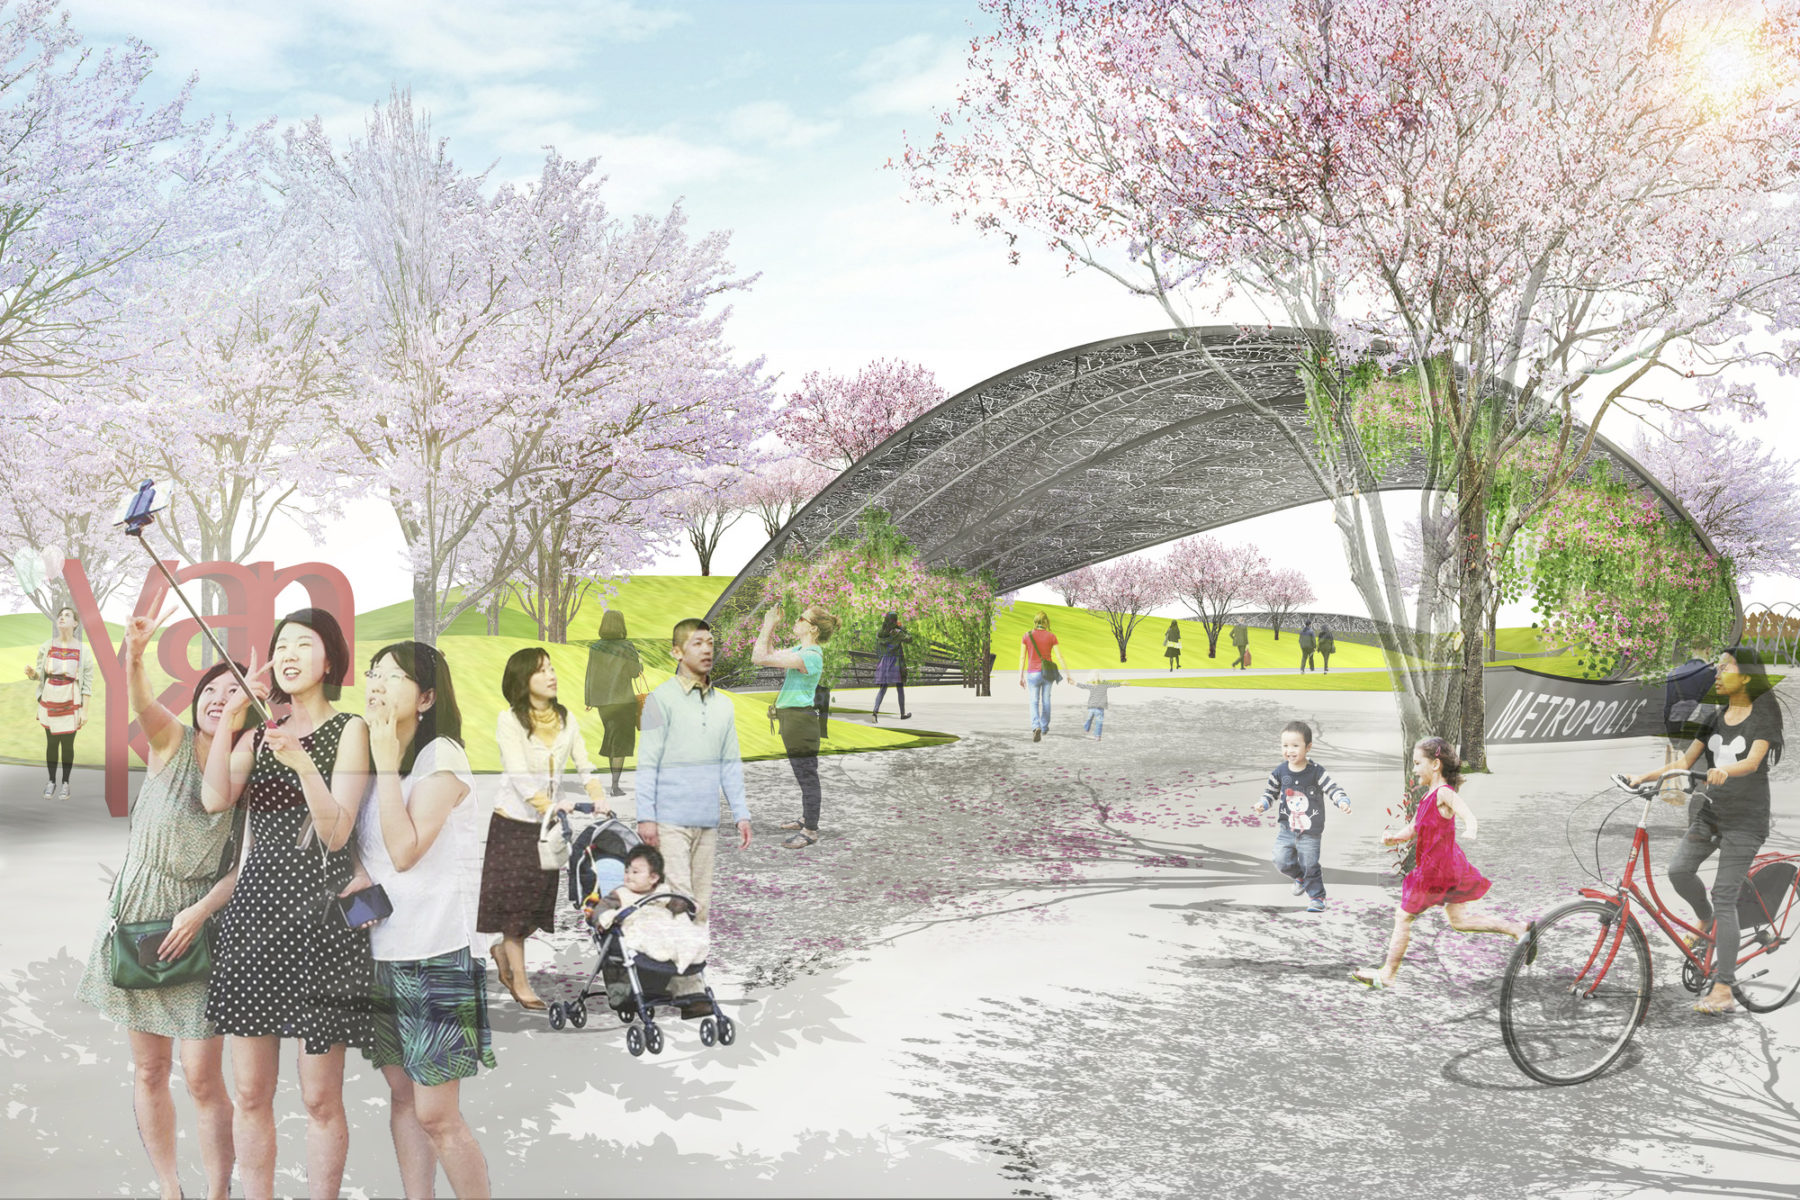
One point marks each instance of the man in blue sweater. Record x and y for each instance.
(687, 758)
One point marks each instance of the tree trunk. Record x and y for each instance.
(493, 616)
(424, 609)
(1473, 609)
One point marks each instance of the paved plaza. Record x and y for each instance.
(1059, 969)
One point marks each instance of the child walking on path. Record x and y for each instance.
(1302, 787)
(1096, 718)
(1442, 875)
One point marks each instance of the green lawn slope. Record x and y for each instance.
(1087, 642)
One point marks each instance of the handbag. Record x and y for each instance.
(640, 697)
(822, 706)
(129, 970)
(553, 835)
(1051, 673)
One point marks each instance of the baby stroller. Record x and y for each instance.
(635, 985)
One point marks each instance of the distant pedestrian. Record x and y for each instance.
(1327, 645)
(1172, 645)
(1308, 643)
(1302, 787)
(1096, 718)
(890, 668)
(1038, 671)
(613, 669)
(1240, 637)
(1442, 875)
(65, 678)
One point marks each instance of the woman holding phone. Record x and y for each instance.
(179, 867)
(419, 830)
(287, 964)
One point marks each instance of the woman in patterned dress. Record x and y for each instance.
(287, 965)
(418, 836)
(65, 678)
(178, 867)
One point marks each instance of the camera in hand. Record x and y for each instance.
(370, 904)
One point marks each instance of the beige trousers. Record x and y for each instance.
(688, 866)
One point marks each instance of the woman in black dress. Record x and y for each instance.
(287, 966)
(613, 666)
(1172, 644)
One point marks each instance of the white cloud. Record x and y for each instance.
(915, 76)
(773, 123)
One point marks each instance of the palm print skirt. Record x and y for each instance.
(431, 1018)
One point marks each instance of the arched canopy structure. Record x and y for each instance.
(1098, 451)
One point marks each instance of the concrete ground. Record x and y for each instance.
(1057, 969)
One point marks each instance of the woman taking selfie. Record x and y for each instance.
(288, 966)
(180, 868)
(419, 828)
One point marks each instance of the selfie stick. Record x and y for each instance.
(137, 519)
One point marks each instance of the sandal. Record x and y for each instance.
(1369, 977)
(1715, 1008)
(792, 825)
(800, 841)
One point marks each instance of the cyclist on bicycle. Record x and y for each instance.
(1739, 742)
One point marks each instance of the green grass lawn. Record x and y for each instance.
(651, 605)
(1339, 681)
(1087, 642)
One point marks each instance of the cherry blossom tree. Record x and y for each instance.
(779, 488)
(1279, 592)
(1534, 211)
(513, 358)
(1742, 492)
(1072, 586)
(1126, 590)
(1212, 577)
(706, 507)
(835, 420)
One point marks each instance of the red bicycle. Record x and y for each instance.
(1579, 986)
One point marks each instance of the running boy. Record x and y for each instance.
(1302, 787)
(1096, 691)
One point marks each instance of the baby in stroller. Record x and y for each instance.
(652, 952)
(657, 920)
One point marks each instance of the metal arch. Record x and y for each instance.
(1772, 630)
(1097, 451)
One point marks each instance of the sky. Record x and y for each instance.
(774, 120)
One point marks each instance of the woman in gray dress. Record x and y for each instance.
(613, 667)
(177, 867)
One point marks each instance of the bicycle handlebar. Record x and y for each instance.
(1651, 787)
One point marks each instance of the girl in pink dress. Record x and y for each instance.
(1441, 875)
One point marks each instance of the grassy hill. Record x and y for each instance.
(1087, 642)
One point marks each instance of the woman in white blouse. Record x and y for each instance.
(538, 741)
(417, 834)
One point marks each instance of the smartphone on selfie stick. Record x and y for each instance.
(140, 514)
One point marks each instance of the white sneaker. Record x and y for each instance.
(64, 793)
(50, 790)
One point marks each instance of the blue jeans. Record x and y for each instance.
(1096, 720)
(1297, 857)
(1039, 689)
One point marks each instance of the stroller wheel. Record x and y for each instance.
(653, 1039)
(634, 1041)
(727, 1031)
(556, 1016)
(577, 1010)
(707, 1037)
(626, 1016)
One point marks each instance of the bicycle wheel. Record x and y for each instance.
(1770, 979)
(1567, 1014)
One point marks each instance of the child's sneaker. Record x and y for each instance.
(1299, 887)
(1316, 906)
(50, 790)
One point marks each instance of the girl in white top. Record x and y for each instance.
(419, 837)
(538, 740)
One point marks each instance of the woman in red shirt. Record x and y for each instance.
(1040, 647)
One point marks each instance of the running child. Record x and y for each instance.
(1301, 786)
(1441, 875)
(1096, 718)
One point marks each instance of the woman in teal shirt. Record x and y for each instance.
(795, 707)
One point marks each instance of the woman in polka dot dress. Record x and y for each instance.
(287, 966)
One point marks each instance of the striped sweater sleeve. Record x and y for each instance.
(1271, 790)
(1333, 792)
